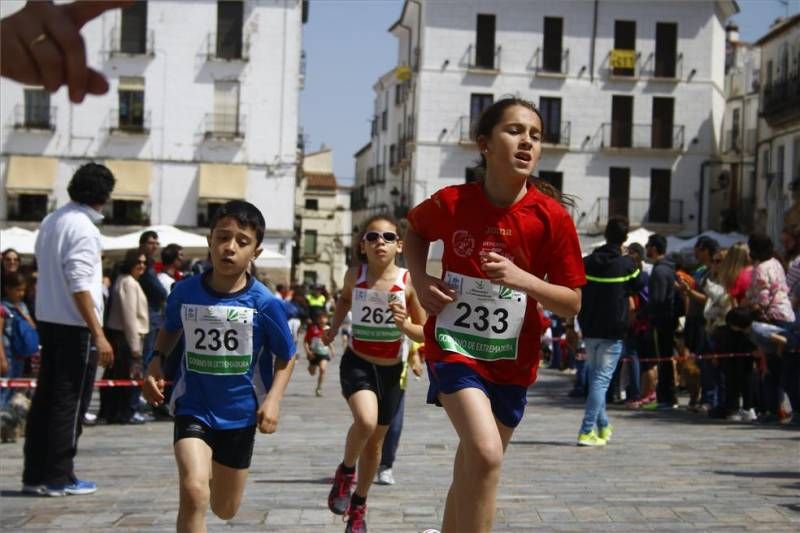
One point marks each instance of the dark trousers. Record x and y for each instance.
(772, 390)
(663, 345)
(739, 381)
(117, 403)
(392, 439)
(63, 391)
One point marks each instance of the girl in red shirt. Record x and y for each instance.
(385, 307)
(507, 246)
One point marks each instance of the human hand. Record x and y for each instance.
(399, 313)
(268, 414)
(3, 365)
(415, 364)
(41, 44)
(153, 386)
(433, 294)
(105, 354)
(503, 271)
(328, 336)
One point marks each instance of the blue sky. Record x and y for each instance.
(348, 48)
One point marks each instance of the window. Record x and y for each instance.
(550, 108)
(735, 125)
(661, 134)
(310, 242)
(205, 212)
(660, 179)
(553, 34)
(309, 277)
(226, 108)
(484, 42)
(556, 179)
(312, 204)
(769, 75)
(133, 34)
(477, 103)
(37, 109)
(131, 103)
(619, 181)
(230, 19)
(470, 175)
(621, 121)
(624, 39)
(127, 213)
(666, 49)
(392, 155)
(28, 207)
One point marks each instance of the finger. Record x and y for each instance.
(96, 83)
(440, 296)
(73, 50)
(49, 60)
(82, 12)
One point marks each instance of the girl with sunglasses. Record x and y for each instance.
(508, 244)
(384, 308)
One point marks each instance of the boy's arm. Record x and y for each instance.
(269, 411)
(153, 386)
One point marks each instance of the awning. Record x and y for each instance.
(30, 174)
(222, 182)
(131, 83)
(133, 179)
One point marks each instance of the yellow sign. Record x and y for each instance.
(403, 73)
(623, 58)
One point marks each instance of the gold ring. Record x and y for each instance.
(42, 37)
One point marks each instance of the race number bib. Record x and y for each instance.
(219, 339)
(373, 320)
(485, 320)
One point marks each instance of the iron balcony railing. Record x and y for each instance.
(559, 135)
(640, 210)
(130, 124)
(218, 49)
(544, 65)
(34, 117)
(466, 125)
(143, 44)
(224, 126)
(653, 136)
(782, 96)
(491, 63)
(660, 69)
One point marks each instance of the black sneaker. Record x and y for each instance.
(339, 496)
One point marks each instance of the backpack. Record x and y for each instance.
(23, 338)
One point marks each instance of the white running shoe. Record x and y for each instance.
(385, 476)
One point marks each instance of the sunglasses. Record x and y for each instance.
(141, 263)
(387, 236)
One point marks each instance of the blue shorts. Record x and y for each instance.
(508, 401)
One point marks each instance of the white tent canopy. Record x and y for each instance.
(166, 235)
(20, 239)
(676, 244)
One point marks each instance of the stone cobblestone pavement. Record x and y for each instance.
(662, 472)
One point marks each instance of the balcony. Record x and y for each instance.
(640, 211)
(34, 118)
(620, 135)
(465, 124)
(781, 99)
(623, 64)
(224, 126)
(217, 50)
(128, 125)
(663, 71)
(548, 69)
(380, 173)
(557, 138)
(478, 65)
(140, 45)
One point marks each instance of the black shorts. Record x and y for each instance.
(317, 358)
(356, 374)
(229, 447)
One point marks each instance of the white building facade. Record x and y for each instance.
(631, 96)
(322, 224)
(202, 108)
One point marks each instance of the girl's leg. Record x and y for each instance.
(194, 471)
(364, 406)
(323, 367)
(368, 461)
(478, 461)
(227, 487)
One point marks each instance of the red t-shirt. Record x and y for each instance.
(741, 284)
(312, 331)
(536, 232)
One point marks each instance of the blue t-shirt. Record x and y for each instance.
(230, 340)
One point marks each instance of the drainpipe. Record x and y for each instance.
(594, 38)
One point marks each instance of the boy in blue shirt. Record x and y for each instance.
(225, 385)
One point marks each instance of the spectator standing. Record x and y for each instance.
(611, 279)
(637, 332)
(661, 314)
(316, 299)
(171, 261)
(20, 341)
(70, 312)
(153, 289)
(126, 327)
(10, 262)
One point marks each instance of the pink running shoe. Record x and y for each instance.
(339, 496)
(355, 519)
